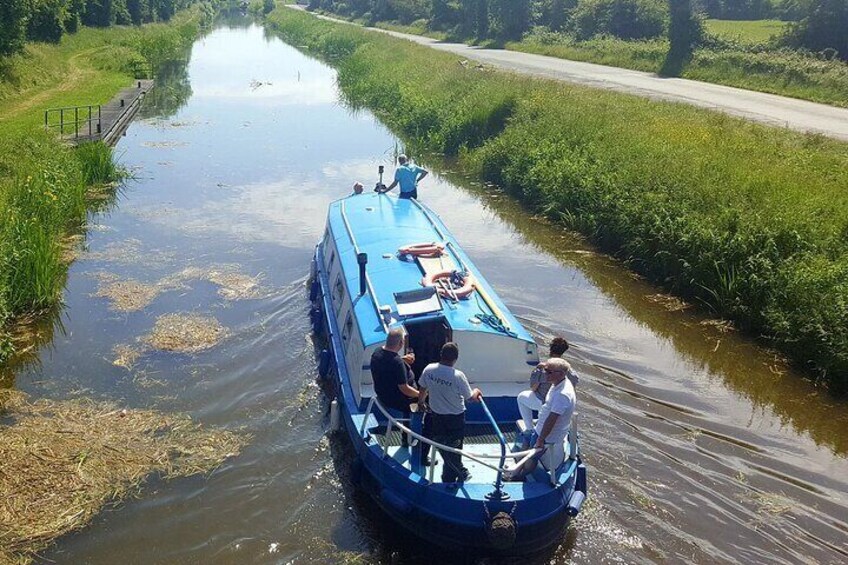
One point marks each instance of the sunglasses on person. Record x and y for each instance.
(551, 371)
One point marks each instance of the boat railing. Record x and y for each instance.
(480, 458)
(378, 309)
(501, 439)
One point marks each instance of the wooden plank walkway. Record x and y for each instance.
(116, 115)
(107, 123)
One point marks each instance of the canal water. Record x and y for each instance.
(701, 446)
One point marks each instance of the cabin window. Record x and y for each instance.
(338, 293)
(348, 328)
(332, 260)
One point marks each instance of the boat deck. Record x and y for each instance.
(479, 438)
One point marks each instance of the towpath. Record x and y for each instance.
(770, 109)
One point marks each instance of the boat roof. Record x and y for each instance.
(379, 224)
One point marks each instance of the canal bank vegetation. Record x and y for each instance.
(63, 461)
(750, 221)
(806, 57)
(46, 186)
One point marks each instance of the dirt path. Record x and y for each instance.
(74, 75)
(769, 109)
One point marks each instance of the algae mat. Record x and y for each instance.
(62, 461)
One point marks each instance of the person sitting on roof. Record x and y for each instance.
(393, 377)
(357, 188)
(407, 175)
(554, 420)
(532, 400)
(447, 389)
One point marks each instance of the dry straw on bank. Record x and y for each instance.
(61, 462)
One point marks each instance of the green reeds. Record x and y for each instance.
(748, 220)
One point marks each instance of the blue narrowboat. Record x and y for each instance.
(368, 276)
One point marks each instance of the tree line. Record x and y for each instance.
(48, 20)
(819, 25)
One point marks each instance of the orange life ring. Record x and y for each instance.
(433, 279)
(423, 249)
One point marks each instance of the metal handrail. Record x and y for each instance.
(502, 439)
(374, 301)
(62, 123)
(478, 457)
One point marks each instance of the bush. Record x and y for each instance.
(824, 27)
(12, 26)
(46, 20)
(627, 19)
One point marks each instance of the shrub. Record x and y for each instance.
(46, 20)
(12, 26)
(627, 19)
(825, 26)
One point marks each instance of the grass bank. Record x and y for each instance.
(45, 185)
(750, 221)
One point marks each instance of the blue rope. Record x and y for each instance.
(495, 323)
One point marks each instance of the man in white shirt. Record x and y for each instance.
(554, 418)
(447, 389)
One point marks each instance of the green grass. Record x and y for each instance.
(746, 31)
(748, 220)
(44, 183)
(729, 62)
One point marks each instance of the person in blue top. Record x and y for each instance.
(407, 175)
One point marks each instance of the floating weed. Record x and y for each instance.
(185, 333)
(232, 284)
(722, 326)
(125, 356)
(164, 144)
(130, 252)
(63, 461)
(669, 302)
(771, 503)
(126, 295)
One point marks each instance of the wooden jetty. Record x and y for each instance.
(106, 123)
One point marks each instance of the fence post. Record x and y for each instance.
(62, 121)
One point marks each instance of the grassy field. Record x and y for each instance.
(750, 221)
(44, 185)
(746, 31)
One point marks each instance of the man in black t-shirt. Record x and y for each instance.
(392, 376)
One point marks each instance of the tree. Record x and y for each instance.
(825, 27)
(46, 20)
(685, 31)
(627, 19)
(12, 26)
(510, 18)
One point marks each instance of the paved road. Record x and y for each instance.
(770, 109)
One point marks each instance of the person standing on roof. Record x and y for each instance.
(407, 175)
(447, 389)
